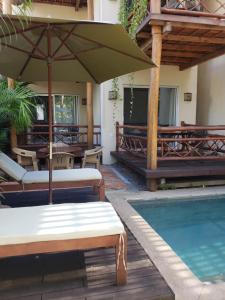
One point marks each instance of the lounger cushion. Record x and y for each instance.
(11, 168)
(58, 222)
(62, 175)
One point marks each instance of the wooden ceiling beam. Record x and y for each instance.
(188, 48)
(77, 5)
(180, 60)
(194, 39)
(183, 21)
(205, 58)
(181, 54)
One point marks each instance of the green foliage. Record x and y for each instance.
(139, 11)
(23, 6)
(16, 106)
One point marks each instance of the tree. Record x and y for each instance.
(16, 106)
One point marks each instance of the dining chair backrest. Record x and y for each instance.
(62, 160)
(26, 158)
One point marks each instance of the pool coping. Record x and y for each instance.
(184, 284)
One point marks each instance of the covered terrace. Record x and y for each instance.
(183, 34)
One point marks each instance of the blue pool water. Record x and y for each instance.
(194, 229)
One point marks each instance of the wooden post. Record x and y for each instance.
(7, 10)
(155, 6)
(117, 136)
(90, 117)
(153, 103)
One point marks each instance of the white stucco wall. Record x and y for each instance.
(211, 88)
(56, 11)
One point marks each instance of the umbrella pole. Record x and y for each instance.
(50, 116)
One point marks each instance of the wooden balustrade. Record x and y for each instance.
(191, 8)
(175, 143)
(37, 136)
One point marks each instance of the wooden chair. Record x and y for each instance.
(62, 160)
(92, 157)
(26, 158)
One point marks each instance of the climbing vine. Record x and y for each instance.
(138, 9)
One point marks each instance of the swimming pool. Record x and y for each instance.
(194, 229)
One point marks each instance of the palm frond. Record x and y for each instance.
(17, 106)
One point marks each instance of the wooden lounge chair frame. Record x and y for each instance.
(97, 185)
(119, 241)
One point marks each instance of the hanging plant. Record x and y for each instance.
(139, 10)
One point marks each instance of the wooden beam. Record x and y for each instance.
(180, 54)
(90, 8)
(7, 9)
(194, 39)
(155, 6)
(153, 103)
(188, 48)
(77, 5)
(90, 116)
(204, 59)
(182, 21)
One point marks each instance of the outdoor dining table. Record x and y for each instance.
(75, 150)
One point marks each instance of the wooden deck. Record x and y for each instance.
(81, 275)
(88, 275)
(171, 169)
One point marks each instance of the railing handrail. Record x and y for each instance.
(198, 9)
(165, 129)
(63, 125)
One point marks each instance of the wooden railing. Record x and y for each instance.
(175, 143)
(193, 7)
(69, 134)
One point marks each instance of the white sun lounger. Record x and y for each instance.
(68, 178)
(63, 227)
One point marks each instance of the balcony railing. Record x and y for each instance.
(197, 7)
(175, 143)
(37, 136)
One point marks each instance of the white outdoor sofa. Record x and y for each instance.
(63, 227)
(69, 178)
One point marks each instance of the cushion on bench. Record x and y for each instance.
(58, 222)
(62, 175)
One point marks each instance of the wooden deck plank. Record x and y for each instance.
(95, 282)
(171, 169)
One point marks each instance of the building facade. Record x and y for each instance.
(127, 108)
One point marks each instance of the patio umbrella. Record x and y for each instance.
(43, 49)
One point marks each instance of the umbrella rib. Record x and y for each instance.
(19, 31)
(33, 45)
(21, 50)
(75, 57)
(64, 40)
(32, 52)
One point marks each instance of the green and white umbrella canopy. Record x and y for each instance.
(42, 49)
(80, 50)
